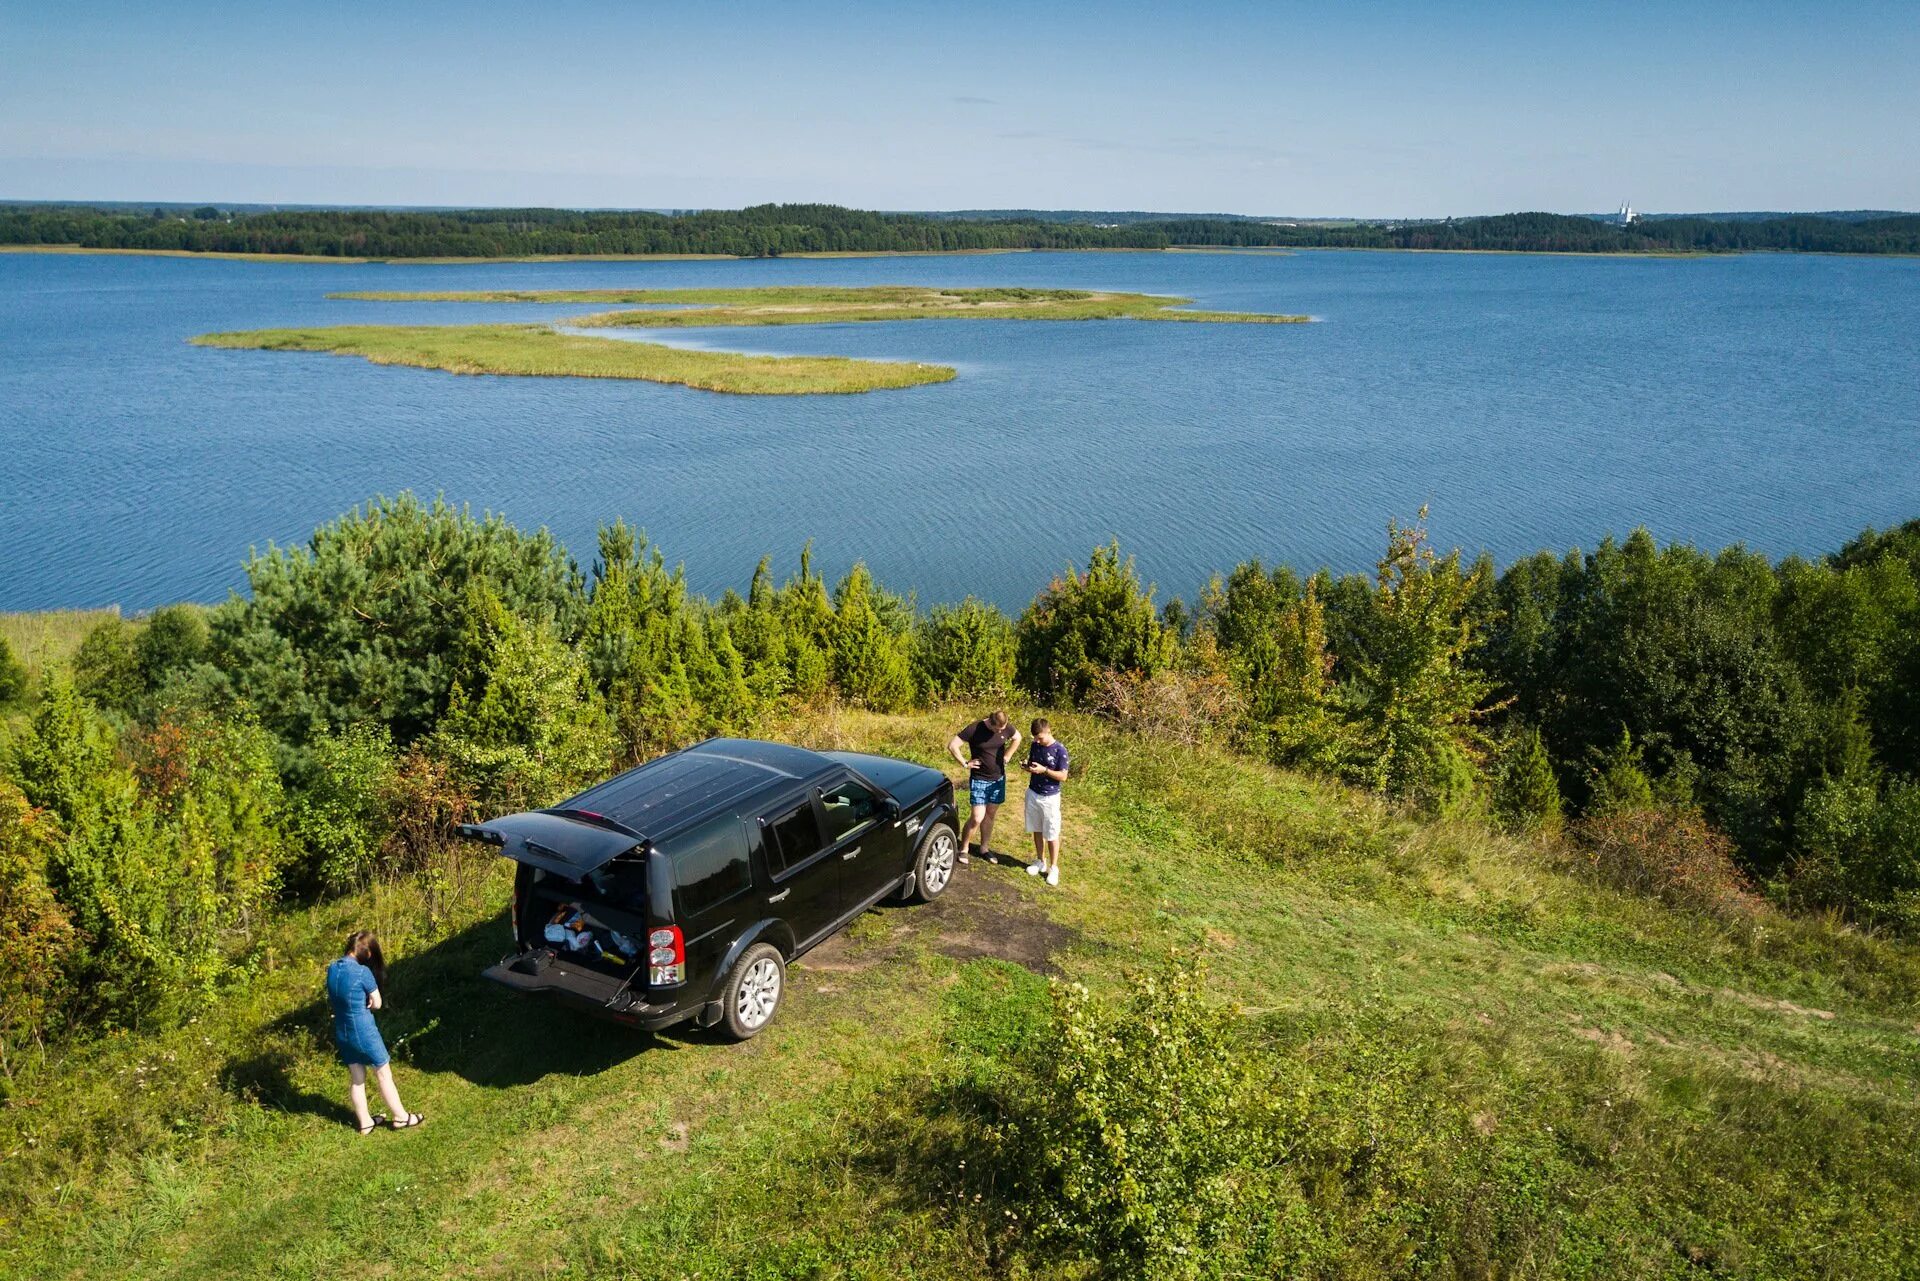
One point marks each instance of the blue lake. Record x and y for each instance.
(1530, 401)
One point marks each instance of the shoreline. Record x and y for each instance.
(1261, 251)
(84, 250)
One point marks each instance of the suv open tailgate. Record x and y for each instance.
(545, 974)
(554, 840)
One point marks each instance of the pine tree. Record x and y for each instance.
(1527, 796)
(1617, 778)
(1415, 698)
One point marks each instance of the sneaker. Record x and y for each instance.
(1053, 876)
(1033, 869)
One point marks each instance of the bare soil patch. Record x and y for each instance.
(983, 914)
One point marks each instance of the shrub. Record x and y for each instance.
(171, 639)
(1084, 624)
(1861, 851)
(1173, 706)
(1134, 1123)
(1670, 854)
(342, 818)
(965, 651)
(363, 625)
(37, 938)
(1617, 779)
(424, 803)
(810, 671)
(1411, 694)
(667, 663)
(872, 663)
(168, 850)
(67, 748)
(532, 727)
(106, 667)
(1526, 796)
(13, 676)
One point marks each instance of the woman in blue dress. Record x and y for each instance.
(353, 990)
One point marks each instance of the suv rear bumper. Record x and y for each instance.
(588, 990)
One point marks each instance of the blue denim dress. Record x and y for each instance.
(355, 1035)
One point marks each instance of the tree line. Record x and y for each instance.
(771, 230)
(1707, 727)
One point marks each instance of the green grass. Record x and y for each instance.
(539, 352)
(1593, 1084)
(817, 305)
(47, 640)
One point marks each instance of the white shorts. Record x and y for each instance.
(1043, 815)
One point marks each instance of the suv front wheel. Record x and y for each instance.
(753, 991)
(933, 869)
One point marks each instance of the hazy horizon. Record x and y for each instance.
(247, 206)
(1397, 111)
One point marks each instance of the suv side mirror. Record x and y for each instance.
(890, 810)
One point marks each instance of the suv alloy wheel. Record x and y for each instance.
(752, 993)
(933, 869)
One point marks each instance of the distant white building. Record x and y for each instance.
(1627, 215)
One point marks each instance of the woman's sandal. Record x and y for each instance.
(370, 1126)
(413, 1119)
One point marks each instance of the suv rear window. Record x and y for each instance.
(710, 864)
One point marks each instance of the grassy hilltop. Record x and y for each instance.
(1500, 1064)
(1560, 922)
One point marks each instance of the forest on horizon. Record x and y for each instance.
(771, 230)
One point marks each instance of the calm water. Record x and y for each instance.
(1532, 401)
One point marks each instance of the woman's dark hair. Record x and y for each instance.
(364, 947)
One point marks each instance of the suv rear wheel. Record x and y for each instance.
(933, 869)
(753, 991)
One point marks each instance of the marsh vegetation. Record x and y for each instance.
(538, 351)
(544, 351)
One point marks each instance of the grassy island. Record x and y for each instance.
(543, 351)
(827, 304)
(537, 351)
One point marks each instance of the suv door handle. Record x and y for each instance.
(852, 853)
(775, 898)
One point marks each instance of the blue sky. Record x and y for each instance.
(1368, 109)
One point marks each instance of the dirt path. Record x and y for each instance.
(990, 910)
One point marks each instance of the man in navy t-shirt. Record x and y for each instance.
(1046, 770)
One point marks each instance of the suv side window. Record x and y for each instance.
(710, 864)
(848, 806)
(793, 838)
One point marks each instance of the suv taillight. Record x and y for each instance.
(666, 956)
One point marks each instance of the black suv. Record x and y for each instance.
(681, 889)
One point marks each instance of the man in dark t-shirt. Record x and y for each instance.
(1047, 768)
(982, 748)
